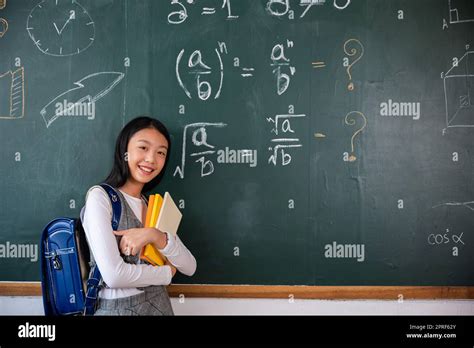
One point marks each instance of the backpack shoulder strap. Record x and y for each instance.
(95, 278)
(116, 205)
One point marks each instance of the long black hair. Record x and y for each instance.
(120, 172)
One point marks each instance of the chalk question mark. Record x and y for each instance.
(3, 22)
(352, 122)
(3, 27)
(351, 53)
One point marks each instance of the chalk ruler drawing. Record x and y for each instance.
(12, 88)
(458, 11)
(52, 22)
(458, 85)
(89, 89)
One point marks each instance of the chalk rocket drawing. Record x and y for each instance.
(88, 90)
(12, 88)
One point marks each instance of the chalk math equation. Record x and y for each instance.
(201, 75)
(181, 9)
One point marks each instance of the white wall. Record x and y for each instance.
(32, 305)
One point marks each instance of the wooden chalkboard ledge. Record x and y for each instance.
(283, 291)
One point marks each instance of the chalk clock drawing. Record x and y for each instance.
(60, 28)
(458, 11)
(459, 92)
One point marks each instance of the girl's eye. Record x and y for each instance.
(161, 153)
(142, 147)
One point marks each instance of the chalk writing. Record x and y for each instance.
(198, 69)
(281, 62)
(202, 73)
(281, 8)
(180, 11)
(201, 145)
(281, 145)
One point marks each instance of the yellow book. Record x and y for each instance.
(149, 252)
(156, 210)
(149, 210)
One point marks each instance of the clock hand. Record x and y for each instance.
(59, 33)
(65, 24)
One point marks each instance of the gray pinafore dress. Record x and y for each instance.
(154, 300)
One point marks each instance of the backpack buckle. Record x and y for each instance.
(57, 262)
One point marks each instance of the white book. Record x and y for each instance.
(170, 216)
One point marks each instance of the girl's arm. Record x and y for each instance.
(103, 244)
(179, 255)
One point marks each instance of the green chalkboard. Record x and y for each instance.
(314, 142)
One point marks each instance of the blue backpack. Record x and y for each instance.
(69, 281)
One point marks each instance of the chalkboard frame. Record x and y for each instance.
(287, 291)
(321, 218)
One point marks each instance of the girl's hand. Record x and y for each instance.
(173, 268)
(134, 239)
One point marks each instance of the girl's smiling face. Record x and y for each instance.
(147, 151)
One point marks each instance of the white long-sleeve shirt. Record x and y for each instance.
(123, 278)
